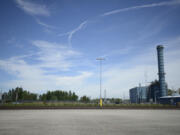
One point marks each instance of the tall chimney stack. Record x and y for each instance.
(161, 73)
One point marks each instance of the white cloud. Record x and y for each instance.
(73, 80)
(44, 24)
(166, 3)
(72, 32)
(35, 77)
(33, 8)
(53, 55)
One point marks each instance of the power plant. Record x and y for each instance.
(161, 73)
(157, 91)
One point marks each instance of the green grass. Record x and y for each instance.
(77, 104)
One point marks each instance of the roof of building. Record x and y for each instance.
(177, 96)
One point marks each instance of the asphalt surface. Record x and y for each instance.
(89, 122)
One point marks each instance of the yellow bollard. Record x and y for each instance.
(100, 103)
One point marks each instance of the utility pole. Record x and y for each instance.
(100, 79)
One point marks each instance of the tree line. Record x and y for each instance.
(20, 95)
(59, 95)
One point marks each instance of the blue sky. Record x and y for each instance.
(49, 45)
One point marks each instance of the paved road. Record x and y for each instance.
(89, 122)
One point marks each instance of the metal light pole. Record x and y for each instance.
(100, 79)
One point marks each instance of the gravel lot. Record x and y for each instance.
(90, 122)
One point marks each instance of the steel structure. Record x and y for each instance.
(161, 73)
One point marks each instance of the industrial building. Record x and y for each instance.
(153, 93)
(138, 94)
(173, 100)
(164, 99)
(157, 91)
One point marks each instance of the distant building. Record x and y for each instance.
(143, 94)
(173, 100)
(154, 93)
(138, 94)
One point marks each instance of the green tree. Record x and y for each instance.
(74, 97)
(43, 97)
(54, 98)
(18, 94)
(59, 95)
(85, 99)
(115, 100)
(118, 101)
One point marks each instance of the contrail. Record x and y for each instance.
(167, 3)
(72, 32)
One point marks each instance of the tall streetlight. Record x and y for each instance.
(100, 79)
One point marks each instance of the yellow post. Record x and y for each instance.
(100, 103)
